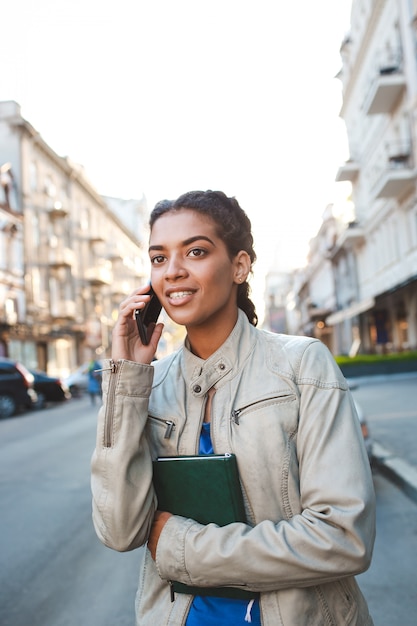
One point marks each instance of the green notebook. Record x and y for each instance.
(205, 488)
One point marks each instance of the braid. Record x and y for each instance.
(233, 227)
(245, 303)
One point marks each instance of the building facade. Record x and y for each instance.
(379, 78)
(372, 255)
(66, 257)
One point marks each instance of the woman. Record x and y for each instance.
(279, 403)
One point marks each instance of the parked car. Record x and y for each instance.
(16, 388)
(77, 381)
(49, 389)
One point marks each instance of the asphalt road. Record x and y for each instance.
(389, 585)
(53, 569)
(390, 406)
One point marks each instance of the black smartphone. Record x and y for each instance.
(148, 315)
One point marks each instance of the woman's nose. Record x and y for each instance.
(174, 269)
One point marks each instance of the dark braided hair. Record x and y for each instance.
(233, 227)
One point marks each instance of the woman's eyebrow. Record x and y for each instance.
(197, 238)
(186, 242)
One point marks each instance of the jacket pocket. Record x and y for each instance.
(261, 404)
(162, 436)
(263, 436)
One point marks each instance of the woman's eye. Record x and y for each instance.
(155, 260)
(196, 252)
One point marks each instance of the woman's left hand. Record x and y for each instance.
(159, 521)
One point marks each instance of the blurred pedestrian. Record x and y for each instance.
(94, 381)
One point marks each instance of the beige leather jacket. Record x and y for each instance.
(283, 407)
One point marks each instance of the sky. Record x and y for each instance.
(160, 97)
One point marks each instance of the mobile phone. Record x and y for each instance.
(147, 316)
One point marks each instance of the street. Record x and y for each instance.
(55, 572)
(390, 583)
(390, 406)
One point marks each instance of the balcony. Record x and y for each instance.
(317, 312)
(350, 238)
(348, 171)
(115, 257)
(61, 257)
(399, 178)
(99, 275)
(65, 309)
(96, 238)
(385, 90)
(57, 210)
(356, 308)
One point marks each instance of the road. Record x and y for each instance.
(53, 569)
(55, 572)
(390, 583)
(390, 405)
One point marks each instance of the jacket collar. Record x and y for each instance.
(202, 374)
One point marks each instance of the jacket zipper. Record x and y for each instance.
(170, 425)
(107, 420)
(171, 590)
(236, 413)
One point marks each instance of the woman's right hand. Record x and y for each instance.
(159, 521)
(126, 343)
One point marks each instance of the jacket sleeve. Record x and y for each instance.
(332, 534)
(121, 467)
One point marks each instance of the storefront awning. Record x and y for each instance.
(351, 311)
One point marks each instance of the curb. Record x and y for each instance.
(355, 381)
(395, 469)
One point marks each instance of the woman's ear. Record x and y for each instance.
(242, 266)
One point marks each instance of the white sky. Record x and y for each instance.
(164, 96)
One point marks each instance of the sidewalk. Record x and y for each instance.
(401, 471)
(397, 470)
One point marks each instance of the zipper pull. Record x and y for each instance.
(169, 429)
(235, 415)
(112, 368)
(171, 590)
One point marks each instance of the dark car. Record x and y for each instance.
(49, 389)
(16, 388)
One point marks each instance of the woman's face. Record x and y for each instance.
(192, 273)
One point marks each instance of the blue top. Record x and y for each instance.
(209, 611)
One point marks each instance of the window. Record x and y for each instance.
(33, 176)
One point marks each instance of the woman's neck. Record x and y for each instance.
(205, 340)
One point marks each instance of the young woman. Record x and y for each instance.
(279, 403)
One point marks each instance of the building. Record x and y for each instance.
(372, 255)
(277, 285)
(67, 257)
(312, 295)
(379, 78)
